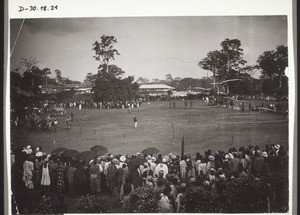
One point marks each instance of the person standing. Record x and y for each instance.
(28, 168)
(135, 121)
(70, 178)
(94, 173)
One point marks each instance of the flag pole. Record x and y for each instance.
(182, 147)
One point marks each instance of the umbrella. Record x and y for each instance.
(135, 161)
(150, 150)
(70, 153)
(86, 156)
(59, 150)
(99, 149)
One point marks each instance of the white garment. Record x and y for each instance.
(163, 167)
(203, 167)
(45, 175)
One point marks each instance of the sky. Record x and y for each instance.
(149, 47)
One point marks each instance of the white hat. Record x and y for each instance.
(164, 160)
(264, 154)
(277, 146)
(39, 154)
(122, 158)
(211, 158)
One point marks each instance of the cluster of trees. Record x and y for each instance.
(228, 63)
(28, 78)
(110, 83)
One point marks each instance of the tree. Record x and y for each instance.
(110, 84)
(58, 76)
(249, 72)
(273, 64)
(46, 72)
(212, 62)
(141, 80)
(105, 51)
(90, 79)
(28, 64)
(169, 78)
(225, 63)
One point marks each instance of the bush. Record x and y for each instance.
(144, 200)
(248, 195)
(91, 204)
(49, 204)
(199, 200)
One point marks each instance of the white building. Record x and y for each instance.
(155, 89)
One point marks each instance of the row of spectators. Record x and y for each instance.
(121, 175)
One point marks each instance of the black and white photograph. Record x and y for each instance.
(161, 114)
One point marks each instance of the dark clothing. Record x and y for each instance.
(80, 180)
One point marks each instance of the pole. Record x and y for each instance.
(173, 134)
(182, 147)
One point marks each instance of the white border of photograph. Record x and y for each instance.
(136, 8)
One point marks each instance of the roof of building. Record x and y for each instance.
(155, 86)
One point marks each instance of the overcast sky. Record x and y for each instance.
(150, 47)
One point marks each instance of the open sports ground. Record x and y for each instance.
(203, 127)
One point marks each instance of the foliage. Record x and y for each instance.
(198, 200)
(49, 204)
(91, 204)
(144, 200)
(104, 50)
(65, 95)
(235, 196)
(247, 195)
(110, 85)
(273, 64)
(225, 63)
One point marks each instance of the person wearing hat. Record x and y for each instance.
(27, 150)
(210, 163)
(152, 163)
(112, 175)
(162, 167)
(122, 159)
(94, 174)
(233, 163)
(257, 164)
(81, 179)
(135, 121)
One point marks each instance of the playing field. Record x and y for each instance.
(204, 127)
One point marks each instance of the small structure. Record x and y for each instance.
(155, 89)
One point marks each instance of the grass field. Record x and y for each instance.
(204, 127)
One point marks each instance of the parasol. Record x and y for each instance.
(86, 156)
(99, 149)
(70, 153)
(150, 150)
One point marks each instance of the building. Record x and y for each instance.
(155, 89)
(53, 89)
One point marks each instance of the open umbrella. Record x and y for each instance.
(70, 153)
(136, 162)
(99, 149)
(150, 150)
(86, 156)
(59, 150)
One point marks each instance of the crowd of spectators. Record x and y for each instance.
(121, 175)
